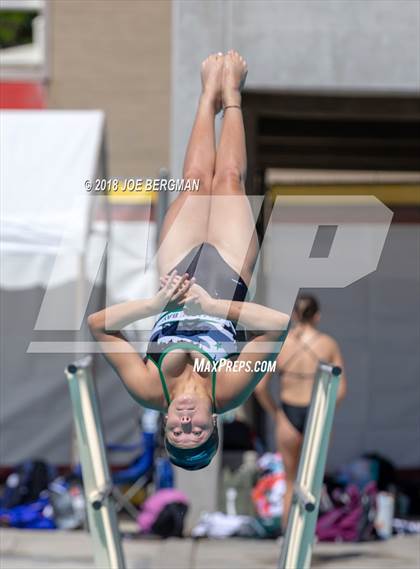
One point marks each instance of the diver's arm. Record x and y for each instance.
(118, 316)
(106, 326)
(128, 364)
(236, 384)
(249, 314)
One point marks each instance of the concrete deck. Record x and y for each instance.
(21, 549)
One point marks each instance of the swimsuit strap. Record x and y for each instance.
(188, 346)
(306, 347)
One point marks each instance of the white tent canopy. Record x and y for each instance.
(46, 156)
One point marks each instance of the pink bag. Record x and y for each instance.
(156, 504)
(353, 520)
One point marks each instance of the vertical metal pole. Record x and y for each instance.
(297, 549)
(96, 476)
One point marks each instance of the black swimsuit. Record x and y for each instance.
(211, 271)
(297, 414)
(216, 336)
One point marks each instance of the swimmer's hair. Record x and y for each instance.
(194, 458)
(306, 307)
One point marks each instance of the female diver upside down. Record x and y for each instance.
(206, 255)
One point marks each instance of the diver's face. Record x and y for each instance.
(189, 421)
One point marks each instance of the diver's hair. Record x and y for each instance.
(306, 307)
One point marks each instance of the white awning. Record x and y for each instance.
(45, 159)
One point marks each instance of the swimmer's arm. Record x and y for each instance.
(123, 357)
(117, 317)
(264, 397)
(106, 326)
(236, 385)
(249, 314)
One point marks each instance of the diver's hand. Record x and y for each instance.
(174, 288)
(197, 301)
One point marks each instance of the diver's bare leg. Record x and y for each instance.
(231, 226)
(186, 220)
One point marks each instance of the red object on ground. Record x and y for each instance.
(22, 95)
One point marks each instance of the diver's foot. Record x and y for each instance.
(211, 80)
(235, 70)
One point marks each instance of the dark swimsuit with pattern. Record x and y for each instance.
(212, 273)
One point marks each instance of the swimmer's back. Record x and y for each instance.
(298, 362)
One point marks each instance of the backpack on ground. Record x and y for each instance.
(163, 513)
(352, 517)
(26, 483)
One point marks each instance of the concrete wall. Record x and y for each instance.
(308, 44)
(115, 56)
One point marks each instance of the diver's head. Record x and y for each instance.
(191, 436)
(306, 310)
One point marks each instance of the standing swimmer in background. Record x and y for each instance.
(297, 365)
